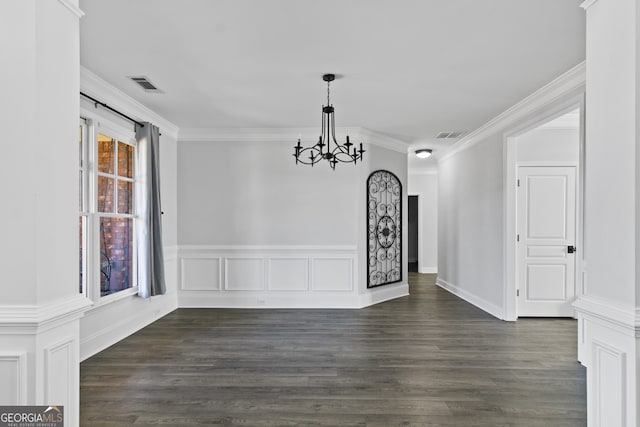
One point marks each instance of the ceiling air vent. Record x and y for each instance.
(449, 135)
(145, 84)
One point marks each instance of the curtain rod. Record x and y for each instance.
(102, 104)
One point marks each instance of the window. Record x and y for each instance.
(107, 211)
(115, 214)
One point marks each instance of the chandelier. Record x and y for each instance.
(334, 151)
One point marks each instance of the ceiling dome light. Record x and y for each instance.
(424, 153)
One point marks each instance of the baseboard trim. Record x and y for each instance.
(268, 300)
(429, 270)
(384, 293)
(117, 331)
(473, 299)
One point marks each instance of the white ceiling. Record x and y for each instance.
(411, 68)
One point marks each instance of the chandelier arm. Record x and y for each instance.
(310, 163)
(311, 150)
(350, 157)
(342, 149)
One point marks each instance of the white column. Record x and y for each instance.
(40, 305)
(608, 312)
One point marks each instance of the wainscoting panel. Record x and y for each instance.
(609, 393)
(13, 373)
(609, 342)
(270, 277)
(332, 274)
(59, 364)
(288, 274)
(244, 274)
(201, 274)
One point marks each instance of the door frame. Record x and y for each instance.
(510, 139)
(420, 227)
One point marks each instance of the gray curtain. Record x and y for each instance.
(149, 220)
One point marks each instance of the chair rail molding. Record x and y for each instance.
(32, 319)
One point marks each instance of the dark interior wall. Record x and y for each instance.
(413, 229)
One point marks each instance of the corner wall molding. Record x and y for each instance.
(588, 3)
(623, 318)
(93, 85)
(569, 81)
(72, 8)
(309, 134)
(32, 319)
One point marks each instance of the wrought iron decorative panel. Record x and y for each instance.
(384, 229)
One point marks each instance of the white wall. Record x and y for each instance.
(425, 185)
(549, 145)
(257, 230)
(470, 226)
(253, 193)
(474, 188)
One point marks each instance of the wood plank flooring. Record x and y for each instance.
(429, 359)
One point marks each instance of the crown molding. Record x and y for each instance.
(308, 134)
(383, 140)
(587, 4)
(571, 80)
(72, 7)
(252, 134)
(98, 88)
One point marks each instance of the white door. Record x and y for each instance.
(546, 240)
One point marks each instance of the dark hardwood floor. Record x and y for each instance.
(429, 359)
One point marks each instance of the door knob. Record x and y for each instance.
(571, 249)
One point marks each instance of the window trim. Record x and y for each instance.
(95, 125)
(83, 211)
